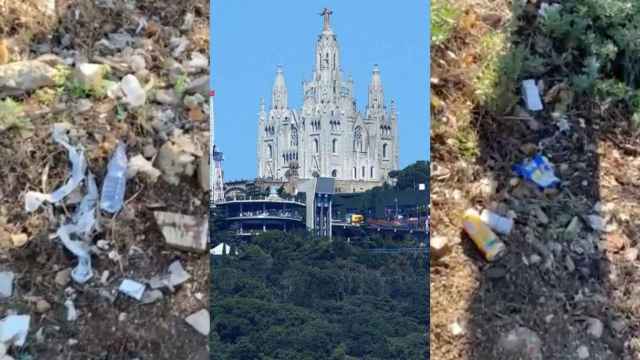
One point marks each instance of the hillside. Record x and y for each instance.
(289, 296)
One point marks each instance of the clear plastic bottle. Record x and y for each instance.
(114, 184)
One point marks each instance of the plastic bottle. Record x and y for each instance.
(114, 185)
(486, 240)
(499, 224)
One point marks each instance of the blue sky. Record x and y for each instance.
(250, 38)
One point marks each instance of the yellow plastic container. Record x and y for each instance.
(486, 240)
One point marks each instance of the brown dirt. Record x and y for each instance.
(154, 331)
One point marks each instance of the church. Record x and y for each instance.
(328, 136)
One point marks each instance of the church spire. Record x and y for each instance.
(326, 15)
(279, 93)
(375, 104)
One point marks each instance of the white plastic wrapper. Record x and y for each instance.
(14, 329)
(34, 199)
(132, 288)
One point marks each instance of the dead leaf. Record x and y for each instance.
(195, 114)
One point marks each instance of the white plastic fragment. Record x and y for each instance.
(177, 274)
(81, 225)
(134, 93)
(499, 224)
(72, 313)
(531, 95)
(33, 199)
(6, 284)
(132, 288)
(200, 321)
(14, 329)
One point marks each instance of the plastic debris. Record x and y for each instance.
(72, 313)
(132, 288)
(14, 329)
(531, 95)
(83, 222)
(539, 170)
(114, 185)
(486, 240)
(33, 199)
(497, 223)
(6, 284)
(200, 321)
(134, 93)
(176, 276)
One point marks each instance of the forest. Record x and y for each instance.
(293, 296)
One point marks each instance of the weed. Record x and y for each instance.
(443, 20)
(181, 84)
(12, 116)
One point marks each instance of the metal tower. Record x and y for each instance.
(218, 180)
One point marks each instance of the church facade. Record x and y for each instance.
(328, 136)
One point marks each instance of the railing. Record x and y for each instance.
(274, 213)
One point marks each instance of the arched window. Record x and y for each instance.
(316, 146)
(270, 151)
(358, 144)
(372, 172)
(355, 173)
(384, 151)
(334, 146)
(334, 173)
(294, 136)
(363, 173)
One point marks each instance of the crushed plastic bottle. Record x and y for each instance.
(114, 184)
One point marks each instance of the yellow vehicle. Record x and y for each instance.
(356, 219)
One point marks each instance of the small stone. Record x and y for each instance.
(535, 259)
(19, 240)
(456, 329)
(20, 77)
(6, 284)
(197, 63)
(615, 242)
(63, 277)
(122, 317)
(3, 349)
(83, 105)
(138, 164)
(40, 335)
(200, 321)
(597, 222)
(199, 85)
(618, 326)
(90, 76)
(188, 22)
(521, 343)
(631, 254)
(571, 266)
(514, 181)
(42, 306)
(583, 352)
(151, 296)
(595, 327)
(548, 318)
(166, 97)
(149, 151)
(438, 247)
(103, 244)
(137, 63)
(540, 215)
(571, 232)
(105, 277)
(72, 342)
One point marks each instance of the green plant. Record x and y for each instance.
(443, 20)
(12, 116)
(181, 84)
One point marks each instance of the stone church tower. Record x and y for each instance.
(328, 137)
